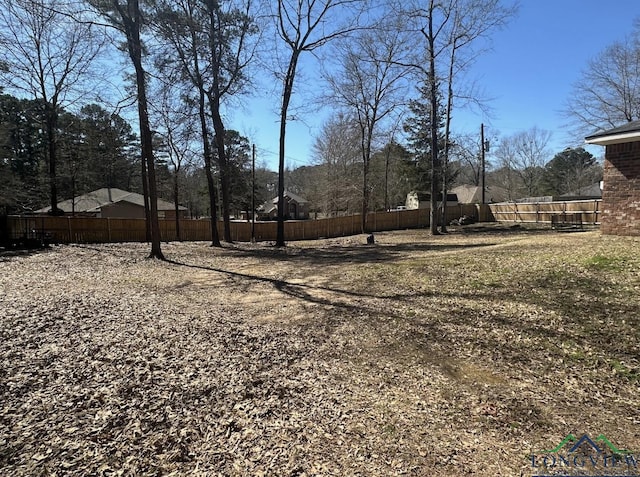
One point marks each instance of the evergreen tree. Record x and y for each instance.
(23, 177)
(570, 171)
(418, 129)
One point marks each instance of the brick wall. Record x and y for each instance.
(621, 194)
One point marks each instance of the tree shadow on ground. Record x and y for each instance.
(337, 254)
(7, 254)
(329, 296)
(580, 318)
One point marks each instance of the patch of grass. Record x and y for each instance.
(604, 263)
(623, 370)
(389, 429)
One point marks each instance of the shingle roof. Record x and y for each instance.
(272, 204)
(95, 200)
(291, 196)
(629, 132)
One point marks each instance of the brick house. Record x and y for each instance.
(621, 181)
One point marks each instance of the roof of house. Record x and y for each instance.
(272, 204)
(472, 194)
(291, 196)
(95, 200)
(629, 132)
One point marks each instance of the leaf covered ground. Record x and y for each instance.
(419, 355)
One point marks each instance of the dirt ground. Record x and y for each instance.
(420, 355)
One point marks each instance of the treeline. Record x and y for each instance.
(522, 165)
(394, 74)
(96, 149)
(189, 61)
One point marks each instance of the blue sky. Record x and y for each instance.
(540, 55)
(529, 75)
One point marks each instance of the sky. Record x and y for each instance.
(528, 76)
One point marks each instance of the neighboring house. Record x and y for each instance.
(472, 194)
(422, 200)
(621, 181)
(114, 203)
(296, 208)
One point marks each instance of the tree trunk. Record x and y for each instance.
(211, 187)
(365, 197)
(286, 99)
(206, 143)
(51, 120)
(218, 127)
(387, 158)
(366, 159)
(145, 194)
(132, 20)
(447, 133)
(147, 153)
(176, 205)
(213, 95)
(435, 163)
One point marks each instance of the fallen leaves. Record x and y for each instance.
(421, 355)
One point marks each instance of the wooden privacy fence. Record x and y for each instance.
(543, 212)
(105, 230)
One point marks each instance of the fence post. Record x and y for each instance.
(69, 229)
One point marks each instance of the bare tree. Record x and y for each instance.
(179, 23)
(47, 55)
(306, 26)
(336, 151)
(472, 20)
(229, 54)
(447, 30)
(370, 85)
(390, 176)
(525, 154)
(390, 147)
(127, 18)
(466, 151)
(608, 93)
(212, 44)
(505, 174)
(175, 118)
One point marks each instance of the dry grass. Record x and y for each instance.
(440, 356)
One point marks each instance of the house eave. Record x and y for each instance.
(609, 139)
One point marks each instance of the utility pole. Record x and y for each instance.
(253, 194)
